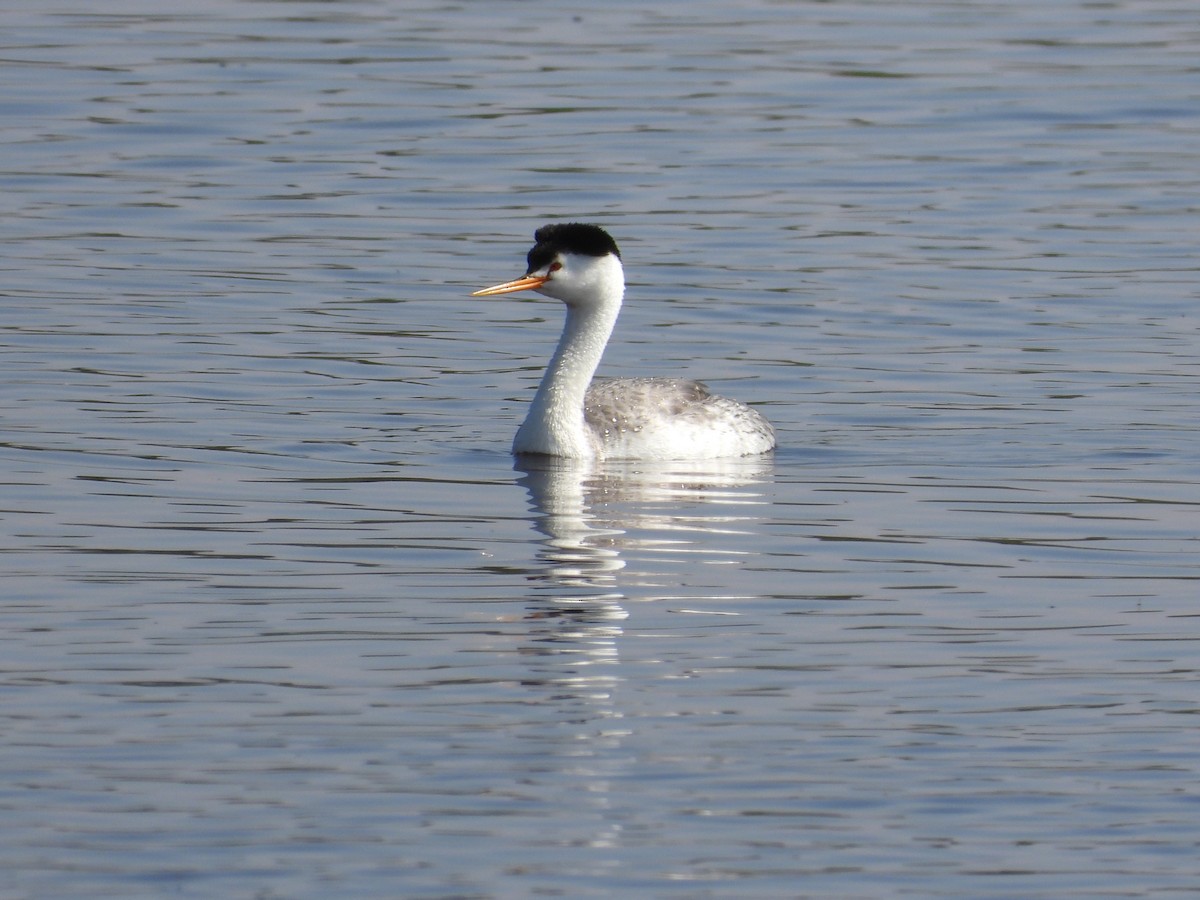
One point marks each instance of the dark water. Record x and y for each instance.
(281, 618)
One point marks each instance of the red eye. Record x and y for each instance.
(555, 266)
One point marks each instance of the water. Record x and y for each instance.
(282, 619)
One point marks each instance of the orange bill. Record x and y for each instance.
(529, 282)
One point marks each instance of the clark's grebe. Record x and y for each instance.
(624, 418)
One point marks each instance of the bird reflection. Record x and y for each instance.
(577, 551)
(588, 513)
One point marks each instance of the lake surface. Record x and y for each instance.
(281, 618)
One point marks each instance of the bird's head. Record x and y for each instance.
(576, 263)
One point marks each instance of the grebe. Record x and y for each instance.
(624, 418)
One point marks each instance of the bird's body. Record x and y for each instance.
(671, 418)
(624, 418)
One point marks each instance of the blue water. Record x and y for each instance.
(282, 619)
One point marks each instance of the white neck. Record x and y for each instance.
(555, 425)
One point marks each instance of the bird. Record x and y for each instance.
(573, 416)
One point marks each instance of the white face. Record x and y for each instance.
(580, 280)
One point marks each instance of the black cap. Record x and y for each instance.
(569, 237)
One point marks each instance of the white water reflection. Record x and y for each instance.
(591, 514)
